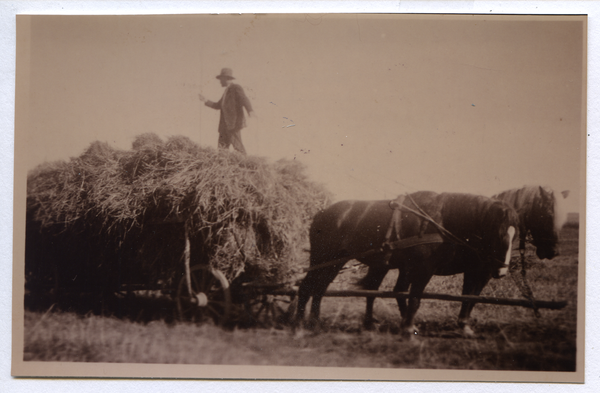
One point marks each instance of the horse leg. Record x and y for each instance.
(315, 284)
(414, 301)
(402, 285)
(304, 293)
(371, 282)
(326, 276)
(474, 282)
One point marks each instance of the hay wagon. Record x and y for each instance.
(92, 220)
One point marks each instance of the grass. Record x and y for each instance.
(507, 338)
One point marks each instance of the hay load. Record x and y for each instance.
(120, 216)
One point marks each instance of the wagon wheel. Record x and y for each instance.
(210, 298)
(271, 310)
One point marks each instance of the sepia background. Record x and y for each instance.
(374, 105)
(397, 172)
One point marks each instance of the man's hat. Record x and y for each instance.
(226, 73)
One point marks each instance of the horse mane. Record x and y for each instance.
(525, 199)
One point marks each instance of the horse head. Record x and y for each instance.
(544, 224)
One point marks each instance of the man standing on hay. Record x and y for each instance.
(232, 106)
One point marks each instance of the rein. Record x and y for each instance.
(421, 213)
(521, 280)
(518, 270)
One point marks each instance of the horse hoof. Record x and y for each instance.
(411, 333)
(468, 332)
(317, 328)
(313, 326)
(370, 326)
(411, 338)
(299, 334)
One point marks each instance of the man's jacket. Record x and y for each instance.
(232, 106)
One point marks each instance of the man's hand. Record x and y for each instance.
(201, 97)
(252, 119)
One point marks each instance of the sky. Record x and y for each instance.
(373, 105)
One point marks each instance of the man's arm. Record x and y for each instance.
(209, 103)
(243, 100)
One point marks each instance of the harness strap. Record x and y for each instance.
(423, 214)
(429, 238)
(395, 224)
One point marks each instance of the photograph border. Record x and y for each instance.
(116, 370)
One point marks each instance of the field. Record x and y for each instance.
(507, 338)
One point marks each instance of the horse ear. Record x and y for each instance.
(565, 193)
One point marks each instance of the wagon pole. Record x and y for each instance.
(552, 305)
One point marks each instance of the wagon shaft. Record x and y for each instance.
(552, 305)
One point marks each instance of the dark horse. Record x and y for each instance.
(538, 216)
(474, 234)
